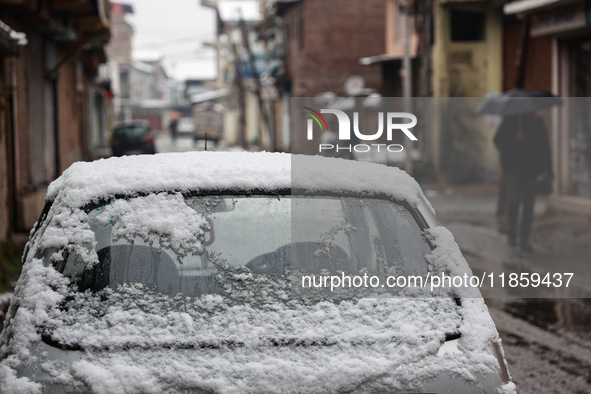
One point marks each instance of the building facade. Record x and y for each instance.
(456, 56)
(52, 100)
(326, 39)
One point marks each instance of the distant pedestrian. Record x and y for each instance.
(523, 145)
(173, 126)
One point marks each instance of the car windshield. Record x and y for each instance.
(178, 244)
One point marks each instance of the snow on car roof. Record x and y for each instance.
(84, 182)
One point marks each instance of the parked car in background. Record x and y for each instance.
(132, 137)
(186, 126)
(184, 272)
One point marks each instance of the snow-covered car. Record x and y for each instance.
(207, 272)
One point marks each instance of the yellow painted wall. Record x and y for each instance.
(465, 69)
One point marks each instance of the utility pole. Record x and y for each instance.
(257, 80)
(241, 99)
(407, 83)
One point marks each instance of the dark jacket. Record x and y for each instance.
(522, 141)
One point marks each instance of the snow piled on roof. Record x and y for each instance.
(85, 182)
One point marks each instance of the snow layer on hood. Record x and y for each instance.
(84, 182)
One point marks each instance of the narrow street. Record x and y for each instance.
(185, 143)
(545, 335)
(455, 93)
(165, 143)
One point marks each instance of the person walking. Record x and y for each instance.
(173, 126)
(522, 141)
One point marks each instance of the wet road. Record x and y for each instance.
(547, 341)
(546, 333)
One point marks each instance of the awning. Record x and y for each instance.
(383, 58)
(209, 96)
(528, 6)
(554, 17)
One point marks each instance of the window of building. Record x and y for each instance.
(467, 25)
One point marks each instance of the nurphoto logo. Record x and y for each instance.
(392, 120)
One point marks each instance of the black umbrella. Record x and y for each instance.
(518, 101)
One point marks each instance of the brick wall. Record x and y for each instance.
(326, 39)
(27, 135)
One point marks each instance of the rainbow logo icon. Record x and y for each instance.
(317, 117)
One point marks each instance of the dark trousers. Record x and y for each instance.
(520, 190)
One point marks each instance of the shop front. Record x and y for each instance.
(568, 24)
